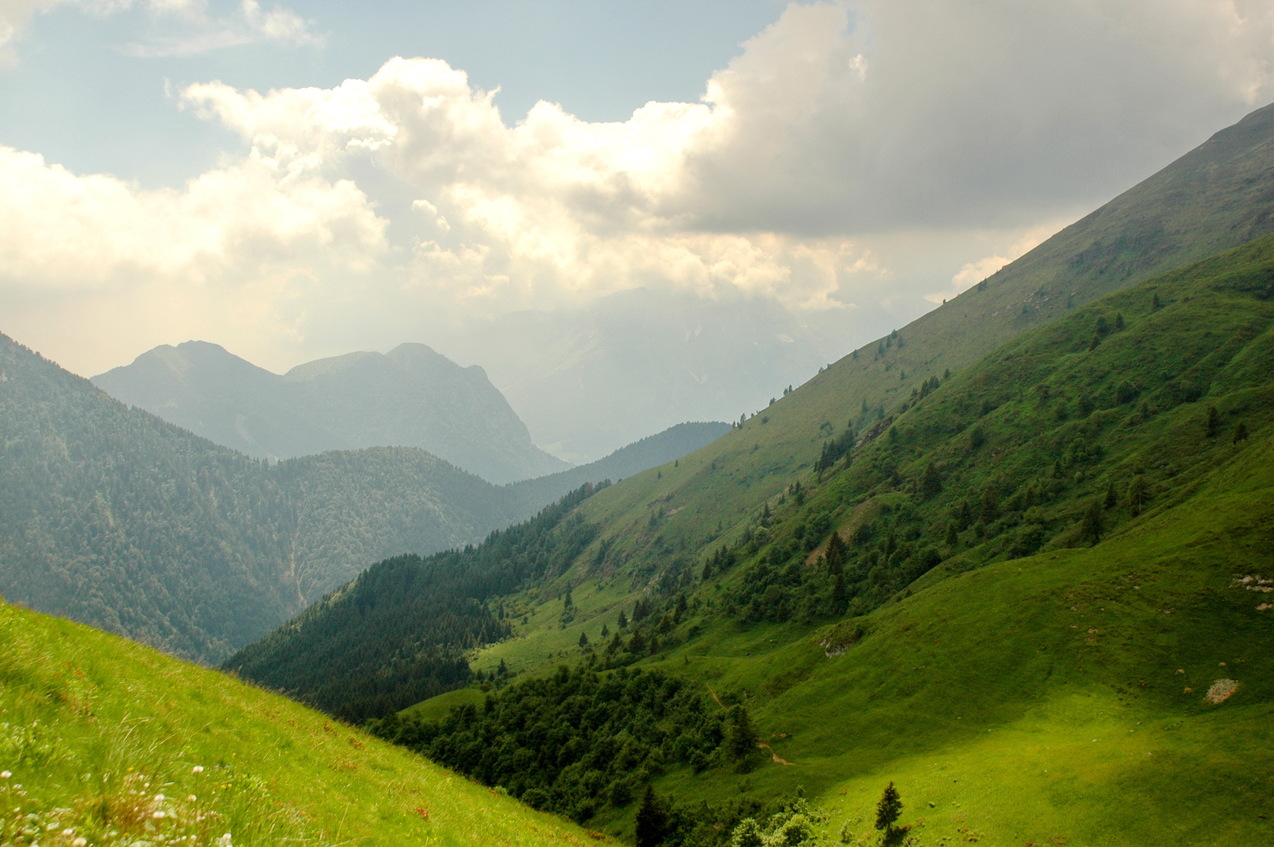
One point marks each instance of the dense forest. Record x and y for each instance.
(580, 740)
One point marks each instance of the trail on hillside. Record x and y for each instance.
(778, 760)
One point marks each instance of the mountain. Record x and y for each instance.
(107, 742)
(118, 519)
(1012, 557)
(409, 397)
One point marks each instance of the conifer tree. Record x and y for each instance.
(652, 820)
(741, 737)
(1090, 528)
(887, 812)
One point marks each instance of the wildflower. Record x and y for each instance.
(80, 842)
(5, 774)
(224, 841)
(197, 769)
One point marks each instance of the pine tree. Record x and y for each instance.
(1137, 494)
(652, 820)
(835, 554)
(741, 737)
(887, 812)
(1214, 422)
(1092, 524)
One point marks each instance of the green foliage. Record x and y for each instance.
(797, 823)
(888, 810)
(582, 741)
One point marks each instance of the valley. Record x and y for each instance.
(1011, 561)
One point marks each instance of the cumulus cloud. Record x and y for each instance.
(874, 115)
(67, 230)
(540, 213)
(852, 151)
(840, 122)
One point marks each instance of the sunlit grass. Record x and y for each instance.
(106, 742)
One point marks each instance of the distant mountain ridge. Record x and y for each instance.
(409, 397)
(113, 517)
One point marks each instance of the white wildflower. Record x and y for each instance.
(5, 774)
(197, 769)
(224, 841)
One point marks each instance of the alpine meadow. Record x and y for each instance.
(1003, 575)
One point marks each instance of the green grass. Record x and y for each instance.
(1052, 699)
(1056, 697)
(113, 743)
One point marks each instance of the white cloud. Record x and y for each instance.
(15, 15)
(184, 27)
(853, 153)
(839, 123)
(67, 230)
(874, 115)
(190, 29)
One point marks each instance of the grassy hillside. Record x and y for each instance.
(1046, 548)
(105, 742)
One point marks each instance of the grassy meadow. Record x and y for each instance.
(105, 742)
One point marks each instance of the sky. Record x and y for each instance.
(304, 178)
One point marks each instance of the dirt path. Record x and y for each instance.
(778, 760)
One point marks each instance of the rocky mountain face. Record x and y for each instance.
(409, 397)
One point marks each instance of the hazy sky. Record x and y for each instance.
(299, 179)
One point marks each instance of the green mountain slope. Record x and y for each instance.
(105, 742)
(1218, 196)
(1102, 482)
